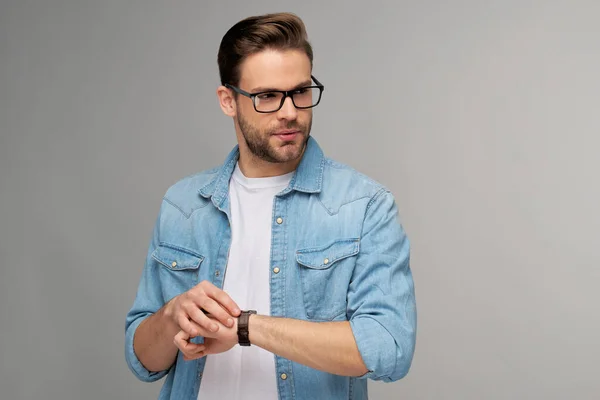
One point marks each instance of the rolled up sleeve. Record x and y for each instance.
(133, 361)
(381, 295)
(148, 300)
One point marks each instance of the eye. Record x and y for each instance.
(301, 91)
(267, 96)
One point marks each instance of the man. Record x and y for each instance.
(282, 273)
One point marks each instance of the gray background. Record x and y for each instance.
(482, 117)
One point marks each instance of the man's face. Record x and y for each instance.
(280, 136)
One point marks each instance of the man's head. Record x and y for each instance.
(268, 53)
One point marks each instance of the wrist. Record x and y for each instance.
(168, 315)
(168, 309)
(252, 328)
(243, 323)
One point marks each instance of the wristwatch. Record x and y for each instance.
(242, 331)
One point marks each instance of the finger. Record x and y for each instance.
(200, 319)
(181, 340)
(220, 297)
(193, 349)
(193, 356)
(223, 299)
(181, 335)
(212, 309)
(190, 327)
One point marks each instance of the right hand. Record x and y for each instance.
(188, 309)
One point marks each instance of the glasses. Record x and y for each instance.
(272, 100)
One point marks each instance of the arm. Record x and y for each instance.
(326, 346)
(153, 341)
(381, 296)
(148, 315)
(151, 325)
(377, 342)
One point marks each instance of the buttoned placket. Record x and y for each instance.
(218, 277)
(277, 285)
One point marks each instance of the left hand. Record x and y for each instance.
(218, 342)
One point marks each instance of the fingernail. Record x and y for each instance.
(214, 327)
(230, 322)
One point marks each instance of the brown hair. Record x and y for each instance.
(280, 31)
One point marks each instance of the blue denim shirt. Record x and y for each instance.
(328, 212)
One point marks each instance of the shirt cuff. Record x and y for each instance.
(376, 346)
(133, 361)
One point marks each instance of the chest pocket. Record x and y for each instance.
(325, 274)
(180, 268)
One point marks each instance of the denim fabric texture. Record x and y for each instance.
(342, 255)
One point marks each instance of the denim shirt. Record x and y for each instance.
(341, 254)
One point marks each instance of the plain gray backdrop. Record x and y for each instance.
(481, 116)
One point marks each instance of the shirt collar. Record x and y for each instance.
(308, 177)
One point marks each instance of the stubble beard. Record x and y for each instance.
(259, 142)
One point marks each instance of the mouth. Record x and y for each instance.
(287, 134)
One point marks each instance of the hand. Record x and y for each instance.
(222, 341)
(189, 310)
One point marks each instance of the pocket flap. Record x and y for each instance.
(325, 256)
(177, 258)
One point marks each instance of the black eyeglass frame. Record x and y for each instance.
(286, 94)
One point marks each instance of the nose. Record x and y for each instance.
(288, 110)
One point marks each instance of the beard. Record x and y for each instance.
(258, 141)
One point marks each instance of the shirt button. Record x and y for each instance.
(280, 220)
(326, 261)
(217, 273)
(283, 376)
(276, 270)
(173, 264)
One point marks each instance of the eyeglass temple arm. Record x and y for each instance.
(236, 89)
(317, 82)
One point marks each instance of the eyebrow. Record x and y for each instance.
(270, 89)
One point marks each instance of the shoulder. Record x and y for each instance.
(184, 194)
(343, 184)
(340, 174)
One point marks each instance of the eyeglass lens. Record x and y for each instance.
(272, 101)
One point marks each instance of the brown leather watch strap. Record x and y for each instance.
(243, 334)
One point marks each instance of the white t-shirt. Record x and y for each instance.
(247, 372)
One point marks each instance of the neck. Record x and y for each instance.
(253, 167)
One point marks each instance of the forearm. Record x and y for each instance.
(326, 346)
(153, 341)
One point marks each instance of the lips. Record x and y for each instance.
(287, 131)
(287, 134)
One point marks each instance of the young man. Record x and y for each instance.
(281, 274)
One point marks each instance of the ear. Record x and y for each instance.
(226, 101)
